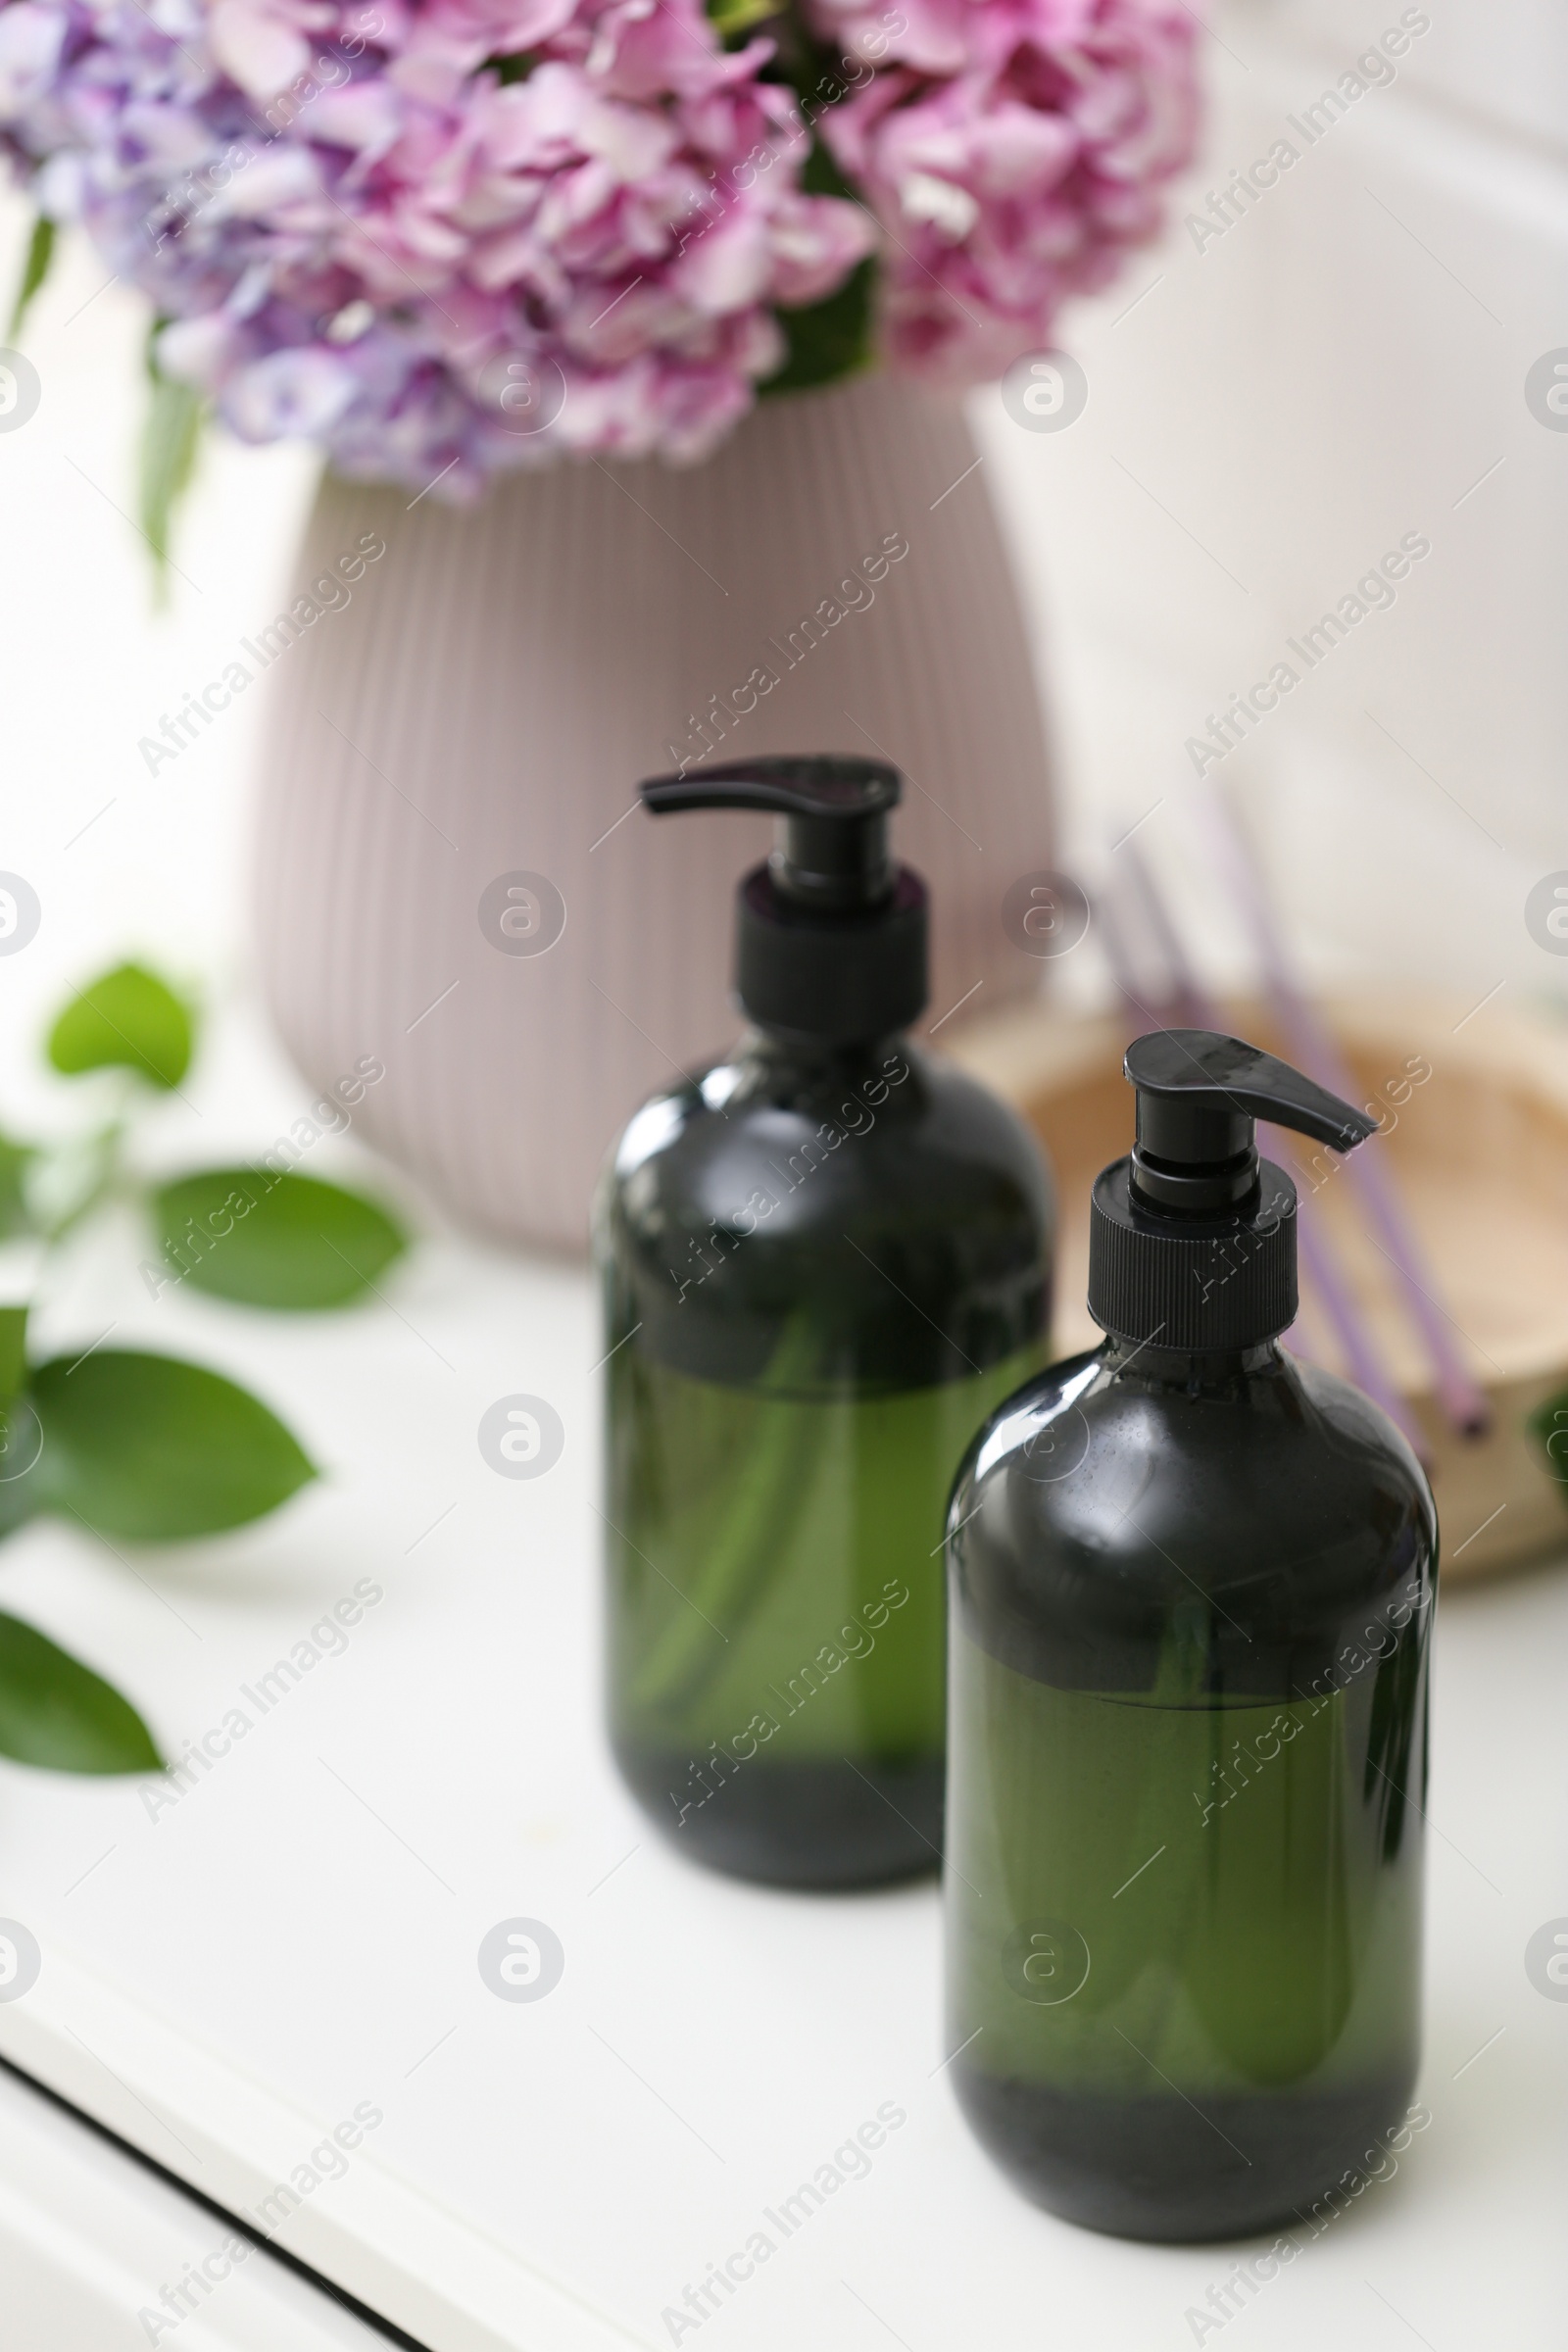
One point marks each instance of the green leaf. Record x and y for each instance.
(170, 441)
(14, 1164)
(157, 1450)
(127, 1019)
(57, 1713)
(40, 252)
(731, 19)
(20, 1437)
(12, 1351)
(279, 1241)
(1548, 1425)
(828, 340)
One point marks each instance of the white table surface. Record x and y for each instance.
(299, 1933)
(89, 2240)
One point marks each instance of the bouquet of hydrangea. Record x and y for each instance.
(446, 237)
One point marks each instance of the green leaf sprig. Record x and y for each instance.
(171, 444)
(34, 270)
(135, 1445)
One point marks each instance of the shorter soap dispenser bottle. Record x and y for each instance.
(825, 1260)
(1191, 1583)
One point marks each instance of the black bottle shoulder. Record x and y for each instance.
(898, 1206)
(1104, 1520)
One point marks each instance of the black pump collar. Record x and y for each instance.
(1193, 1237)
(831, 936)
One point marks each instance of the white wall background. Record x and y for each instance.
(1343, 364)
(1267, 417)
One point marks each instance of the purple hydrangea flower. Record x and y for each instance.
(446, 237)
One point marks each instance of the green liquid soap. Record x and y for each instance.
(1185, 1944)
(824, 1260)
(777, 1612)
(1192, 1587)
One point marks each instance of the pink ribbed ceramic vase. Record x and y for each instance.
(485, 704)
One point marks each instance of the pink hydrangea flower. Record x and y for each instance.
(1013, 149)
(446, 237)
(363, 233)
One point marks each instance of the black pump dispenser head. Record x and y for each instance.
(831, 935)
(1193, 1237)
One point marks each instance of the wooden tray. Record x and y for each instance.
(1480, 1154)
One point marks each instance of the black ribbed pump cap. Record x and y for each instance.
(830, 934)
(1193, 1237)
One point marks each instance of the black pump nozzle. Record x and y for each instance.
(831, 934)
(1193, 1237)
(1198, 1096)
(834, 847)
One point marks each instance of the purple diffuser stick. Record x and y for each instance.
(1319, 1057)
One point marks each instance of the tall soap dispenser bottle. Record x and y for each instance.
(1191, 1582)
(824, 1260)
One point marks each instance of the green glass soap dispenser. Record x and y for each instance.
(1190, 1582)
(825, 1259)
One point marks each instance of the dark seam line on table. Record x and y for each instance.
(223, 2213)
